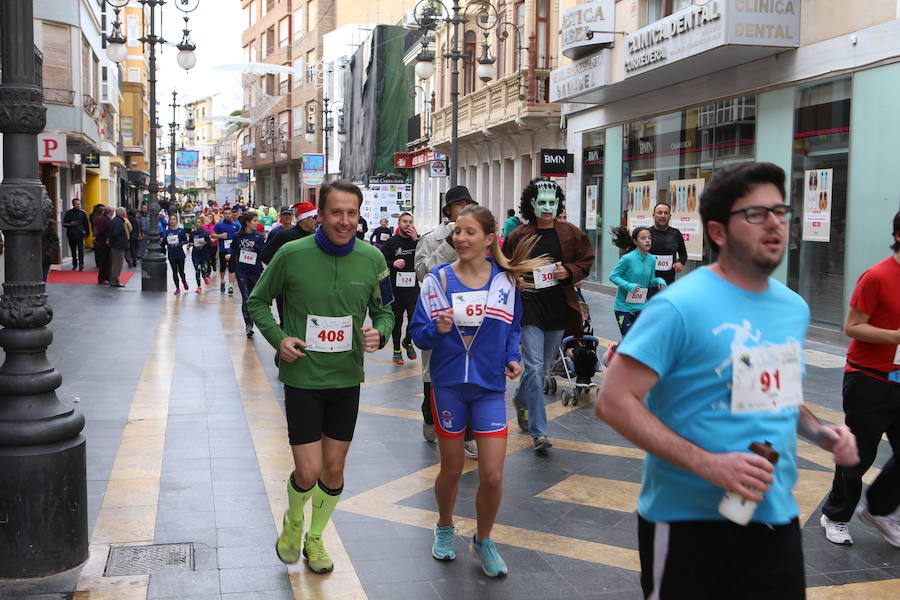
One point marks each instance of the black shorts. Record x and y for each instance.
(313, 413)
(713, 560)
(224, 264)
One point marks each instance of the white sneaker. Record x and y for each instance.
(471, 449)
(836, 532)
(428, 432)
(887, 526)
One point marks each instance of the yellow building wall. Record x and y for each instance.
(382, 12)
(90, 197)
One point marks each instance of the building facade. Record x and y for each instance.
(809, 85)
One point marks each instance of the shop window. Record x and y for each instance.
(669, 158)
(592, 157)
(542, 23)
(469, 62)
(659, 9)
(819, 198)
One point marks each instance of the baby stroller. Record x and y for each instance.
(577, 359)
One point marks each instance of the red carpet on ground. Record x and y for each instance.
(87, 277)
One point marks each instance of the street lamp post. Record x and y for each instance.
(429, 14)
(43, 494)
(153, 265)
(271, 136)
(173, 126)
(327, 126)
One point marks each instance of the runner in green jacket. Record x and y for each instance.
(329, 283)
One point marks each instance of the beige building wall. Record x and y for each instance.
(383, 12)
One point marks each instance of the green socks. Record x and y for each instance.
(297, 499)
(324, 501)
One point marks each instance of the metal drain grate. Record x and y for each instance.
(140, 560)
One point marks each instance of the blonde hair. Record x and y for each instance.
(520, 262)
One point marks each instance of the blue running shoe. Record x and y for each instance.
(443, 548)
(486, 551)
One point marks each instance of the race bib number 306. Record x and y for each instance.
(545, 277)
(766, 378)
(329, 334)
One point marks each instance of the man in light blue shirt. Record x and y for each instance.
(718, 358)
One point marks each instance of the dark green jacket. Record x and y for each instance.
(315, 283)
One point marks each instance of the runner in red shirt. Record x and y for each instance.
(871, 402)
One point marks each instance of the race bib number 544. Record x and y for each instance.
(766, 378)
(329, 334)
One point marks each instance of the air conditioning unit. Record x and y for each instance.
(78, 174)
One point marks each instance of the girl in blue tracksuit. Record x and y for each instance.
(200, 253)
(634, 274)
(468, 315)
(246, 247)
(175, 238)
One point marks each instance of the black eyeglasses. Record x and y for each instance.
(758, 214)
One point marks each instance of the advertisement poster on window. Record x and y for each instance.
(313, 169)
(817, 205)
(590, 207)
(187, 163)
(683, 197)
(639, 205)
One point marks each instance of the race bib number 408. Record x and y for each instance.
(766, 378)
(329, 334)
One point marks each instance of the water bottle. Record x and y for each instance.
(734, 506)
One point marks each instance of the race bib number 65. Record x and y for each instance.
(468, 308)
(329, 334)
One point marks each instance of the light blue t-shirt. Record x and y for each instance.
(687, 336)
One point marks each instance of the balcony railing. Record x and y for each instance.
(56, 96)
(90, 106)
(501, 101)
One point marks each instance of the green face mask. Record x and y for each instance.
(546, 201)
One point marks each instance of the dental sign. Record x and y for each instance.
(703, 27)
(599, 15)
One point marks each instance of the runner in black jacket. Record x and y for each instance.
(400, 254)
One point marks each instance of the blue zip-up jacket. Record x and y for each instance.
(253, 243)
(632, 270)
(495, 341)
(201, 250)
(175, 250)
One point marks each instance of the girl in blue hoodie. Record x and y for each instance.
(634, 274)
(245, 249)
(468, 315)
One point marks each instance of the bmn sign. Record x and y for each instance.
(556, 162)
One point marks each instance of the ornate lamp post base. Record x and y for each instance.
(154, 273)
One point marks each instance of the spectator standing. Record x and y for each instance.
(100, 226)
(76, 223)
(118, 246)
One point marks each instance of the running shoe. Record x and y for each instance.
(199, 289)
(836, 532)
(317, 559)
(491, 562)
(177, 291)
(471, 449)
(288, 546)
(410, 351)
(542, 443)
(444, 547)
(249, 331)
(184, 282)
(428, 433)
(222, 287)
(886, 525)
(206, 280)
(230, 290)
(398, 357)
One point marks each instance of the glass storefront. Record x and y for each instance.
(819, 187)
(673, 155)
(592, 194)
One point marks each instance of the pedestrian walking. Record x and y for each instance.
(100, 226)
(174, 237)
(50, 248)
(713, 392)
(76, 223)
(400, 254)
(871, 393)
(118, 246)
(329, 283)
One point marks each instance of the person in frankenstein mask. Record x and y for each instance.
(552, 309)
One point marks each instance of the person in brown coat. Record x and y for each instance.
(552, 309)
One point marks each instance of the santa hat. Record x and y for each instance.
(305, 210)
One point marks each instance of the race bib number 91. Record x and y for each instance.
(329, 334)
(766, 378)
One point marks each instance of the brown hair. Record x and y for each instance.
(342, 185)
(520, 262)
(245, 218)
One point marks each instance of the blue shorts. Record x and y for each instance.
(454, 407)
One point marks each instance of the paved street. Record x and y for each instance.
(187, 444)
